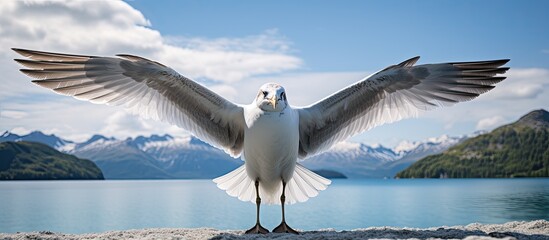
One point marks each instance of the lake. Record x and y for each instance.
(98, 206)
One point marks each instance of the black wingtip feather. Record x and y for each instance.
(21, 51)
(410, 62)
(489, 64)
(49, 56)
(29, 72)
(22, 62)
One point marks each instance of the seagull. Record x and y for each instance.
(269, 134)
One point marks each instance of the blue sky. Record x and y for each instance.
(313, 48)
(359, 35)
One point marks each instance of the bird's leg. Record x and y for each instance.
(257, 228)
(283, 227)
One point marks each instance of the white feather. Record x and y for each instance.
(304, 185)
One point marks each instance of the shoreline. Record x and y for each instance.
(538, 229)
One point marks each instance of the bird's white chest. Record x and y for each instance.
(271, 145)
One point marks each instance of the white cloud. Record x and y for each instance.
(345, 146)
(227, 91)
(301, 88)
(225, 66)
(490, 123)
(60, 115)
(83, 26)
(20, 131)
(12, 114)
(112, 27)
(525, 83)
(270, 41)
(122, 124)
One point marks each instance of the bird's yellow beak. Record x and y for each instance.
(273, 101)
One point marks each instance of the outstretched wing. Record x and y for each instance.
(396, 92)
(146, 87)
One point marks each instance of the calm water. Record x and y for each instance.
(97, 206)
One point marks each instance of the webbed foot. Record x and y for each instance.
(257, 229)
(284, 228)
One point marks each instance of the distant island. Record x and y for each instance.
(520, 149)
(331, 174)
(37, 161)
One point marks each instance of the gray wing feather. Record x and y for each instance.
(396, 92)
(145, 87)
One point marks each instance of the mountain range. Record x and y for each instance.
(359, 160)
(164, 156)
(520, 149)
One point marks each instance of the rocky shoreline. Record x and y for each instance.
(535, 230)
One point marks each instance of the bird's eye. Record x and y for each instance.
(265, 93)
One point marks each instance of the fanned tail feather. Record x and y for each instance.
(303, 185)
(237, 184)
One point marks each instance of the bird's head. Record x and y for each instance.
(271, 98)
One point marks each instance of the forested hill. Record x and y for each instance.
(37, 161)
(520, 149)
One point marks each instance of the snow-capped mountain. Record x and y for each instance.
(352, 159)
(187, 157)
(409, 152)
(37, 136)
(435, 144)
(361, 160)
(410, 149)
(158, 156)
(95, 140)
